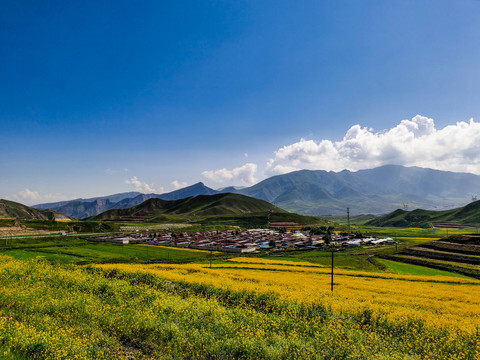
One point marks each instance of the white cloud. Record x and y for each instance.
(178, 184)
(27, 194)
(413, 142)
(142, 186)
(30, 197)
(245, 174)
(116, 171)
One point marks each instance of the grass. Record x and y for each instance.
(77, 250)
(412, 232)
(82, 252)
(31, 254)
(344, 260)
(79, 226)
(453, 267)
(402, 268)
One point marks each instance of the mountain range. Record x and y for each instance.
(84, 208)
(318, 192)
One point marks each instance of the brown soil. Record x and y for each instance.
(21, 230)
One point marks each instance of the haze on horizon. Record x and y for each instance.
(105, 97)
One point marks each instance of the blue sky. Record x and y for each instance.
(99, 97)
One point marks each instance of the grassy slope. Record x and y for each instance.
(17, 210)
(201, 205)
(469, 214)
(226, 209)
(221, 204)
(401, 268)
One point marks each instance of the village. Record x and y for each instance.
(243, 241)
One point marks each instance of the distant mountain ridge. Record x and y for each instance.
(376, 191)
(318, 192)
(84, 208)
(112, 198)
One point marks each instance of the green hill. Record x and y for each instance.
(11, 209)
(466, 215)
(222, 208)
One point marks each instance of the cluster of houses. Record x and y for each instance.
(241, 241)
(368, 241)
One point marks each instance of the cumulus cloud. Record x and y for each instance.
(414, 142)
(28, 194)
(244, 174)
(178, 184)
(30, 197)
(142, 186)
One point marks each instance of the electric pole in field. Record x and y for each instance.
(331, 281)
(348, 220)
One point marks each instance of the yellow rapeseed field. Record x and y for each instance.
(446, 303)
(244, 308)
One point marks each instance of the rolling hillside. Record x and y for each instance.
(11, 209)
(201, 205)
(220, 209)
(466, 215)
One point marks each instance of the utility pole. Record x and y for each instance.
(331, 282)
(348, 220)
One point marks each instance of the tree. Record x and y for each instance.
(327, 238)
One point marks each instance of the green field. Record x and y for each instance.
(83, 252)
(401, 268)
(78, 250)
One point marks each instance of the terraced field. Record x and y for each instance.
(460, 254)
(453, 247)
